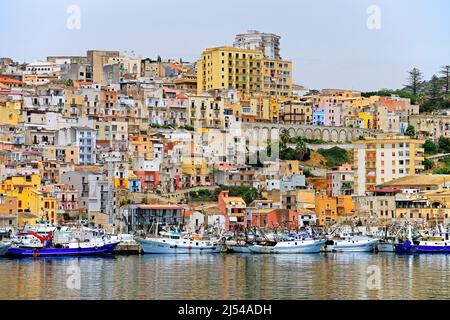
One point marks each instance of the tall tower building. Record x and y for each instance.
(268, 43)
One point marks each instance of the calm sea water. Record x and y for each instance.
(320, 276)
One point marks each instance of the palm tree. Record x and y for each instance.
(301, 149)
(285, 136)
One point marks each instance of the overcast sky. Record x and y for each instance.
(327, 40)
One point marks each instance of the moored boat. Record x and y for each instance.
(71, 249)
(175, 243)
(4, 247)
(385, 247)
(350, 244)
(295, 246)
(238, 246)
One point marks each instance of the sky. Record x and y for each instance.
(328, 41)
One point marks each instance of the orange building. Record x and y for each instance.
(142, 147)
(234, 210)
(330, 209)
(9, 209)
(278, 218)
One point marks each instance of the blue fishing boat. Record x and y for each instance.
(434, 242)
(428, 245)
(81, 249)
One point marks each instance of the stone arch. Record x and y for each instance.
(326, 135)
(275, 133)
(292, 132)
(334, 136)
(350, 135)
(308, 133)
(300, 133)
(342, 136)
(317, 134)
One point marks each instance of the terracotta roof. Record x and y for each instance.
(10, 80)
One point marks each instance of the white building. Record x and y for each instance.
(268, 43)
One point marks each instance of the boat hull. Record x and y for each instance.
(157, 247)
(351, 247)
(240, 249)
(385, 247)
(403, 248)
(292, 247)
(56, 252)
(4, 247)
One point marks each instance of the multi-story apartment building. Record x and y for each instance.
(382, 159)
(228, 68)
(206, 111)
(431, 126)
(340, 181)
(82, 137)
(297, 112)
(268, 43)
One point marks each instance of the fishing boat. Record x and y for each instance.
(238, 246)
(350, 243)
(28, 240)
(4, 247)
(70, 249)
(385, 245)
(295, 246)
(435, 242)
(175, 242)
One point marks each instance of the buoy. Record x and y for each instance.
(190, 247)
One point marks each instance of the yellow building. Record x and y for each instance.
(73, 103)
(66, 154)
(10, 112)
(33, 204)
(366, 119)
(229, 68)
(277, 77)
(298, 112)
(290, 167)
(206, 111)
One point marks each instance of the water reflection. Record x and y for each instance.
(324, 276)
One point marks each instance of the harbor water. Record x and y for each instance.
(220, 276)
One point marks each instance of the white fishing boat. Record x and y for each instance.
(25, 240)
(350, 244)
(296, 246)
(385, 245)
(238, 246)
(175, 242)
(4, 247)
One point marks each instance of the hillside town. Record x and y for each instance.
(121, 142)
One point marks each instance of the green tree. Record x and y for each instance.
(444, 144)
(445, 72)
(335, 156)
(285, 137)
(302, 151)
(434, 88)
(430, 147)
(415, 81)
(428, 164)
(410, 131)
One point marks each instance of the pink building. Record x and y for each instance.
(66, 197)
(332, 114)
